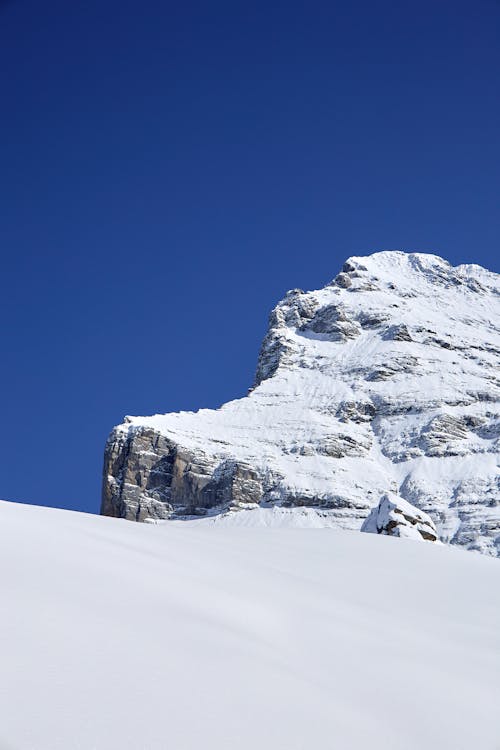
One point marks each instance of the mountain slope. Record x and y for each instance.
(385, 381)
(118, 636)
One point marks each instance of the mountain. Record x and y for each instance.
(382, 387)
(120, 636)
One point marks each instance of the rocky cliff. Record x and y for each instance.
(385, 383)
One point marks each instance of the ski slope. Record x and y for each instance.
(123, 636)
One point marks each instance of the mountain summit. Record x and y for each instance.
(383, 384)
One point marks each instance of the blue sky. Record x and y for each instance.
(169, 170)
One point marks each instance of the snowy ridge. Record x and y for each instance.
(384, 381)
(121, 636)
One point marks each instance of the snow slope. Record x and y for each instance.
(120, 636)
(384, 381)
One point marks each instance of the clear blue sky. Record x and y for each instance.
(169, 170)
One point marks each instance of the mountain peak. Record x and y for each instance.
(384, 381)
(415, 268)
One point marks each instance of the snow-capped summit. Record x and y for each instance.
(384, 381)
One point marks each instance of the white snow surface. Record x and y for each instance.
(445, 374)
(121, 636)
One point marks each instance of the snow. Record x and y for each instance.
(256, 516)
(122, 636)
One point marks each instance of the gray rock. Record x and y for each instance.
(331, 321)
(394, 516)
(147, 476)
(343, 280)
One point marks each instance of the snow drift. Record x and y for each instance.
(120, 636)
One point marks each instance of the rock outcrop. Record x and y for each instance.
(385, 382)
(394, 516)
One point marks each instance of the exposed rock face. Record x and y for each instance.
(148, 476)
(394, 516)
(385, 381)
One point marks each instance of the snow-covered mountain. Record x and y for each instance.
(382, 387)
(122, 636)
